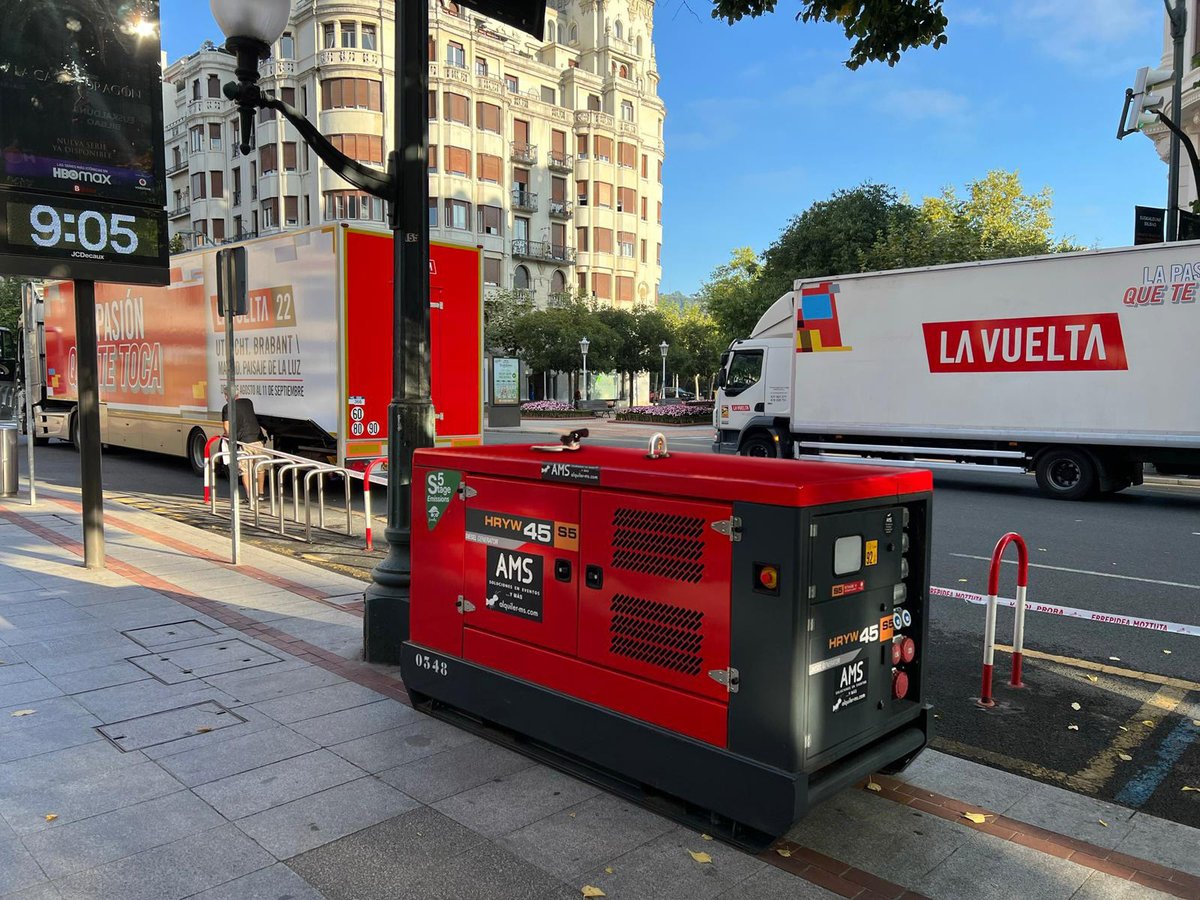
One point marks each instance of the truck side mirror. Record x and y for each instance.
(721, 378)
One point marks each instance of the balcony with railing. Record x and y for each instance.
(180, 211)
(523, 153)
(561, 209)
(525, 200)
(237, 198)
(172, 168)
(544, 251)
(349, 56)
(560, 162)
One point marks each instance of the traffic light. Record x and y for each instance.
(1142, 104)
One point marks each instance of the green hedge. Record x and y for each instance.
(705, 419)
(556, 414)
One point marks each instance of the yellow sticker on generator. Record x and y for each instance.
(872, 553)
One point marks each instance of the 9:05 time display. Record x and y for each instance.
(93, 230)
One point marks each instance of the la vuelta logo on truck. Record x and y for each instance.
(1086, 342)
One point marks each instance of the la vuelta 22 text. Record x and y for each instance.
(1160, 285)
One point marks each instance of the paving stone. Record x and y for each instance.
(273, 785)
(159, 637)
(900, 849)
(252, 721)
(191, 663)
(142, 698)
(173, 871)
(238, 754)
(359, 722)
(170, 725)
(664, 870)
(1102, 886)
(104, 596)
(580, 838)
(967, 781)
(85, 796)
(1164, 842)
(16, 672)
(450, 772)
(67, 764)
(45, 891)
(41, 612)
(326, 816)
(487, 871)
(509, 802)
(381, 862)
(99, 678)
(56, 632)
(1073, 814)
(770, 883)
(987, 867)
(111, 836)
(18, 868)
(276, 882)
(309, 704)
(62, 709)
(23, 693)
(398, 746)
(59, 664)
(46, 737)
(281, 679)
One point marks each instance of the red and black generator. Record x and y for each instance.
(746, 635)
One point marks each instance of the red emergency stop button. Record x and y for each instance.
(900, 685)
(908, 650)
(767, 577)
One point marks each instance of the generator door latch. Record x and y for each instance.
(728, 677)
(466, 491)
(731, 528)
(464, 605)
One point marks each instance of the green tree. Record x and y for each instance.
(695, 347)
(730, 296)
(176, 244)
(10, 303)
(997, 219)
(502, 311)
(880, 30)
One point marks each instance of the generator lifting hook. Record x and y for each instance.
(658, 446)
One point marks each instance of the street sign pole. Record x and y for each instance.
(232, 299)
(32, 359)
(87, 419)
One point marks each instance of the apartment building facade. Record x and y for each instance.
(548, 154)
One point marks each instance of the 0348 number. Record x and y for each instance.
(430, 663)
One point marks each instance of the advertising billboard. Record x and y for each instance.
(81, 157)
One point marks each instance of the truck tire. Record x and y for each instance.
(195, 450)
(760, 445)
(1065, 473)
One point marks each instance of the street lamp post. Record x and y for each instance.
(583, 345)
(662, 386)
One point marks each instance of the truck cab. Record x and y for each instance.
(751, 414)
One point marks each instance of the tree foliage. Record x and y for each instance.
(879, 30)
(731, 296)
(10, 303)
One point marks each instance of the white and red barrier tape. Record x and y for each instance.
(1073, 613)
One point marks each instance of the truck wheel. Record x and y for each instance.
(1064, 473)
(195, 449)
(74, 431)
(759, 445)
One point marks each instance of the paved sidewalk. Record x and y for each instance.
(173, 727)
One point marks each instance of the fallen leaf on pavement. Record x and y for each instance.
(23, 712)
(1122, 727)
(963, 580)
(1188, 787)
(50, 817)
(1076, 707)
(874, 786)
(1196, 722)
(608, 870)
(1168, 652)
(572, 815)
(1149, 723)
(783, 851)
(977, 818)
(1102, 822)
(203, 729)
(588, 891)
(706, 837)
(700, 857)
(1041, 549)
(1072, 728)
(1092, 678)
(1124, 756)
(1115, 658)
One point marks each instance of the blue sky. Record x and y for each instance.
(763, 118)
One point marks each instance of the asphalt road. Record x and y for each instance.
(1134, 554)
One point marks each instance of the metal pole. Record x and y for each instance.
(1177, 12)
(32, 358)
(410, 415)
(235, 524)
(87, 415)
(585, 381)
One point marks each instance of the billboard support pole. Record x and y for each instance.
(87, 424)
(32, 358)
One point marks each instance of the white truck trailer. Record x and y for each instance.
(1079, 367)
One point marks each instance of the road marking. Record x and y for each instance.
(1072, 662)
(1141, 787)
(1097, 773)
(1073, 613)
(1193, 587)
(1000, 760)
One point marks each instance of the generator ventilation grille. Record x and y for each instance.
(655, 543)
(658, 634)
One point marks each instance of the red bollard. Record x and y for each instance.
(989, 628)
(208, 469)
(371, 467)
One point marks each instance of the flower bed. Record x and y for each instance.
(552, 409)
(674, 414)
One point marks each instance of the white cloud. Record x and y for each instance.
(923, 103)
(1100, 34)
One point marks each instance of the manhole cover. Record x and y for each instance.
(217, 658)
(158, 636)
(170, 725)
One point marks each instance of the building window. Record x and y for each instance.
(352, 93)
(645, 160)
(626, 155)
(602, 285)
(433, 158)
(481, 66)
(287, 46)
(643, 248)
(643, 209)
(574, 32)
(487, 117)
(458, 161)
(488, 167)
(268, 158)
(558, 282)
(511, 84)
(603, 147)
(289, 156)
(625, 241)
(660, 171)
(291, 211)
(369, 41)
(456, 108)
(490, 221)
(270, 212)
(329, 30)
(349, 35)
(196, 89)
(659, 212)
(491, 270)
(521, 278)
(593, 103)
(620, 29)
(214, 136)
(288, 95)
(658, 254)
(582, 193)
(351, 205)
(366, 148)
(214, 87)
(433, 104)
(198, 186)
(581, 239)
(197, 134)
(455, 55)
(624, 289)
(433, 211)
(562, 33)
(602, 240)
(548, 95)
(626, 111)
(604, 194)
(626, 200)
(623, 72)
(217, 181)
(458, 215)
(581, 146)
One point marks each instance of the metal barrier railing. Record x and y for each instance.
(277, 466)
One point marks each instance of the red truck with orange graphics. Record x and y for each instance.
(313, 351)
